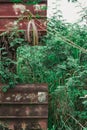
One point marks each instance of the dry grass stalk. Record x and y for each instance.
(32, 28)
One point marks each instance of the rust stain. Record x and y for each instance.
(20, 108)
(25, 124)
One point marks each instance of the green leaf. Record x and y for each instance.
(5, 88)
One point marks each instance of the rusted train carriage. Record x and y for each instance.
(26, 106)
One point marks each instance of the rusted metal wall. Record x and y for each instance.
(10, 12)
(24, 107)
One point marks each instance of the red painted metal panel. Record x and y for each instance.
(17, 9)
(9, 13)
(6, 24)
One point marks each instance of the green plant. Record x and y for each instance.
(10, 41)
(27, 2)
(9, 44)
(61, 62)
(62, 67)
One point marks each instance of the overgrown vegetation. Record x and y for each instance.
(26, 1)
(10, 41)
(9, 44)
(63, 68)
(61, 62)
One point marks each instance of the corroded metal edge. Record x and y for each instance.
(28, 87)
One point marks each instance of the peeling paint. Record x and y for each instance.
(18, 97)
(19, 8)
(8, 98)
(24, 107)
(42, 96)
